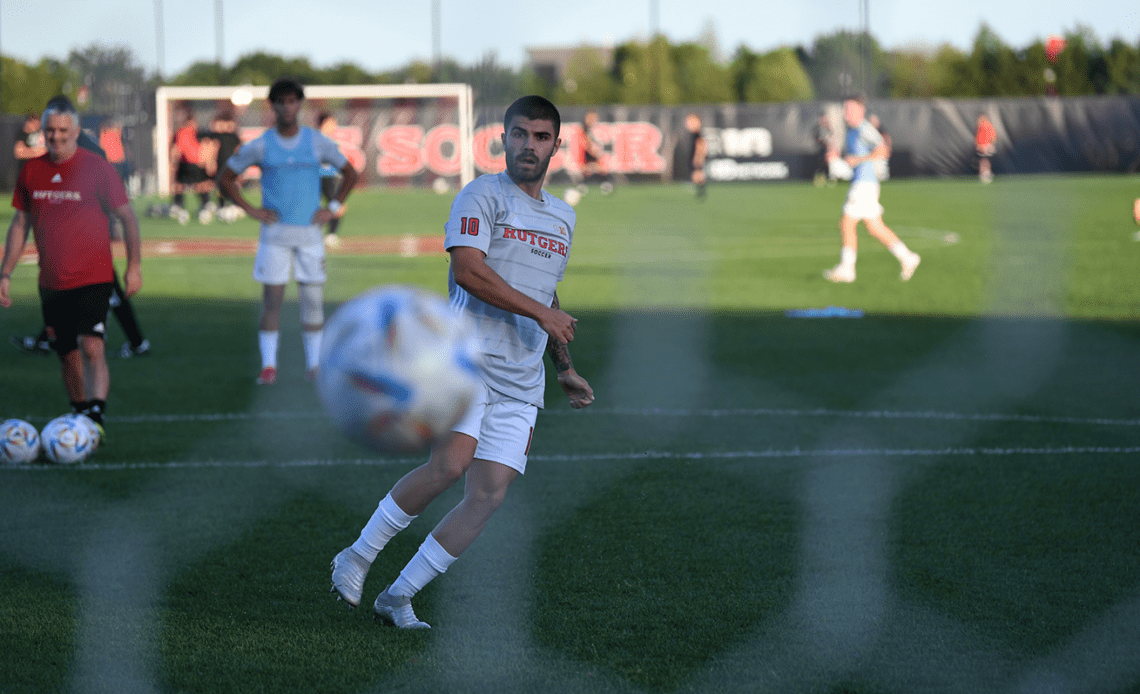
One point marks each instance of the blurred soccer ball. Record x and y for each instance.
(399, 367)
(572, 196)
(69, 439)
(19, 442)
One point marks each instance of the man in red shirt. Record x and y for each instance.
(63, 195)
(984, 140)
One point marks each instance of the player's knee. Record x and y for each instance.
(311, 300)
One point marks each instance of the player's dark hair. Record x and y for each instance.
(283, 87)
(322, 117)
(857, 97)
(533, 107)
(59, 105)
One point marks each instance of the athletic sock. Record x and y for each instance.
(312, 340)
(77, 406)
(179, 199)
(430, 561)
(899, 250)
(847, 256)
(267, 341)
(386, 521)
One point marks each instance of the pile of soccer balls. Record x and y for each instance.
(399, 367)
(64, 440)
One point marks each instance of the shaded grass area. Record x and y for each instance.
(673, 565)
(255, 615)
(37, 629)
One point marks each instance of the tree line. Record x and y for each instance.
(111, 80)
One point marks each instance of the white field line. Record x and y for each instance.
(664, 412)
(610, 457)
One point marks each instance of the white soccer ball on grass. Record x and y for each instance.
(19, 442)
(69, 439)
(399, 367)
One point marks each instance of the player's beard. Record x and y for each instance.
(519, 175)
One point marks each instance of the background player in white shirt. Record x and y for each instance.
(864, 146)
(509, 241)
(290, 157)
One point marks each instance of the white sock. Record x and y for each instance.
(430, 561)
(387, 520)
(847, 256)
(312, 340)
(267, 341)
(899, 250)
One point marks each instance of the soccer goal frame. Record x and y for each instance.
(246, 94)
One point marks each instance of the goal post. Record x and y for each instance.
(397, 135)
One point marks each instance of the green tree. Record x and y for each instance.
(26, 88)
(775, 76)
(846, 61)
(117, 83)
(1123, 64)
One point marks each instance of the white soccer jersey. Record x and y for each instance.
(527, 242)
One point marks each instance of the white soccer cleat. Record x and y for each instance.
(348, 572)
(398, 611)
(840, 273)
(909, 265)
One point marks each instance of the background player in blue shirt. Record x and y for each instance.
(863, 146)
(290, 157)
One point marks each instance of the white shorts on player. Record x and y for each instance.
(863, 201)
(285, 251)
(502, 425)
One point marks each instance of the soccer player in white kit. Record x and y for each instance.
(509, 241)
(864, 147)
(290, 157)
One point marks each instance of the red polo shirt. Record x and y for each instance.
(67, 205)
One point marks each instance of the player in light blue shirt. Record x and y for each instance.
(290, 158)
(864, 147)
(509, 241)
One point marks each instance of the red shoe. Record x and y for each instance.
(268, 376)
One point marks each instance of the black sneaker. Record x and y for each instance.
(28, 344)
(129, 351)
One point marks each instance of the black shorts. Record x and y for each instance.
(69, 313)
(330, 186)
(190, 174)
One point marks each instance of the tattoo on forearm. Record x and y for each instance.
(558, 352)
(559, 355)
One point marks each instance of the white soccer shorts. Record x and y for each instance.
(863, 201)
(274, 264)
(502, 425)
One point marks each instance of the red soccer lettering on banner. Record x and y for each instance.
(488, 146)
(569, 155)
(349, 139)
(438, 140)
(636, 148)
(400, 153)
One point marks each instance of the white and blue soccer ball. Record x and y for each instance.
(69, 439)
(399, 367)
(19, 442)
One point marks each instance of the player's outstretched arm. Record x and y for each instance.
(576, 388)
(132, 279)
(13, 249)
(470, 269)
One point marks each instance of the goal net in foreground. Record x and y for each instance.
(408, 135)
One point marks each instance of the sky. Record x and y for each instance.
(381, 35)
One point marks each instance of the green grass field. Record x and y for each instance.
(940, 496)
